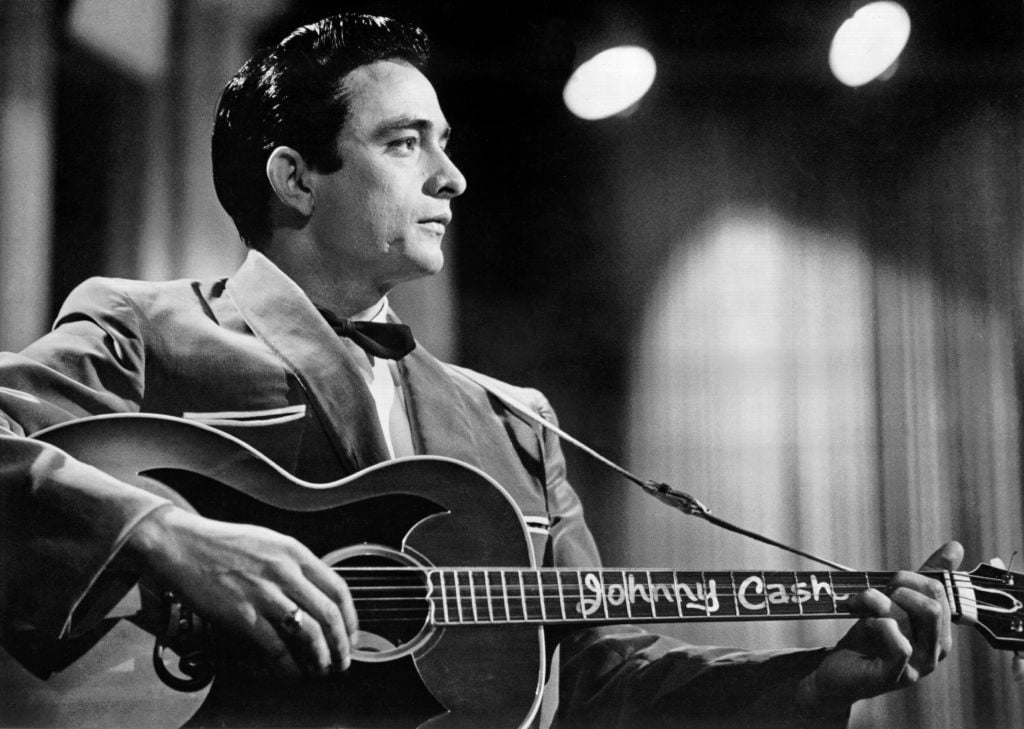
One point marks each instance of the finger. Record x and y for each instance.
(329, 645)
(946, 557)
(870, 603)
(275, 652)
(924, 628)
(302, 634)
(334, 646)
(894, 653)
(925, 602)
(340, 619)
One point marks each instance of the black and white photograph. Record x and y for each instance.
(550, 364)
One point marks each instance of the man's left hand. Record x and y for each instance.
(903, 633)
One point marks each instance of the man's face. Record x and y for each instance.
(383, 214)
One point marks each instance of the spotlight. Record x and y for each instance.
(610, 82)
(868, 45)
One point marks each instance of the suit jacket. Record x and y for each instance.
(251, 355)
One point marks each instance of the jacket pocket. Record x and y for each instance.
(277, 433)
(249, 418)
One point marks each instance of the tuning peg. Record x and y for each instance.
(1017, 667)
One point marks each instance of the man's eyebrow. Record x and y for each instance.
(410, 122)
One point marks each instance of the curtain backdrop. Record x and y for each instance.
(850, 388)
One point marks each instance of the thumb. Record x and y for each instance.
(947, 557)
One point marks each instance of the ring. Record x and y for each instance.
(292, 621)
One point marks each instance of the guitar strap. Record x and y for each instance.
(661, 491)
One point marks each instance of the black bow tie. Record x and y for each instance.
(390, 341)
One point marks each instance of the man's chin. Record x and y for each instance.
(422, 267)
(429, 262)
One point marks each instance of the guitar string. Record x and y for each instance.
(380, 594)
(385, 595)
(857, 580)
(546, 592)
(552, 591)
(851, 577)
(420, 606)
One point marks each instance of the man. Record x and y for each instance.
(329, 154)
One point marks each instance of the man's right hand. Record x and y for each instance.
(246, 579)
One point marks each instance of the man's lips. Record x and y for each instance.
(437, 224)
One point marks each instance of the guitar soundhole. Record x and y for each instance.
(389, 590)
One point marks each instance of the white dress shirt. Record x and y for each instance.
(381, 376)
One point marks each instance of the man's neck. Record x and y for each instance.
(373, 313)
(346, 293)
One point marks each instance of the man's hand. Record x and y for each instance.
(903, 633)
(245, 579)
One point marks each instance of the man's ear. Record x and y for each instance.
(289, 177)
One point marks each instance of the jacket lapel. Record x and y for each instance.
(284, 319)
(441, 422)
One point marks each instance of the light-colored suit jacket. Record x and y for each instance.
(251, 355)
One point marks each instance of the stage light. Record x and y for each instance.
(610, 82)
(868, 45)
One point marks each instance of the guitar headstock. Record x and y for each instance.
(992, 598)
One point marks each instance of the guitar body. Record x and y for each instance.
(452, 605)
(423, 511)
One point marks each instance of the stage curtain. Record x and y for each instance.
(852, 389)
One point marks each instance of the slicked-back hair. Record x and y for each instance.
(293, 94)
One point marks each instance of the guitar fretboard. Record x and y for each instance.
(546, 596)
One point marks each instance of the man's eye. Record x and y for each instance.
(405, 144)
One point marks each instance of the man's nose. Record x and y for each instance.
(448, 181)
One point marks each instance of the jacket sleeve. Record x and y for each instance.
(622, 676)
(62, 522)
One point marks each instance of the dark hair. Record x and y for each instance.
(293, 94)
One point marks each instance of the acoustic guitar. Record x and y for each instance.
(457, 618)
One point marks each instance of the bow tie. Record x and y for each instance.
(390, 341)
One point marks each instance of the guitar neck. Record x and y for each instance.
(567, 596)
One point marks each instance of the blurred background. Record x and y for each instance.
(798, 300)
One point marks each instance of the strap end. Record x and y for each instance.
(677, 499)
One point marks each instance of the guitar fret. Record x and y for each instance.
(677, 593)
(487, 587)
(472, 597)
(626, 597)
(534, 611)
(504, 594)
(540, 595)
(444, 595)
(579, 580)
(458, 593)
(551, 595)
(516, 613)
(561, 595)
(657, 586)
(522, 595)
